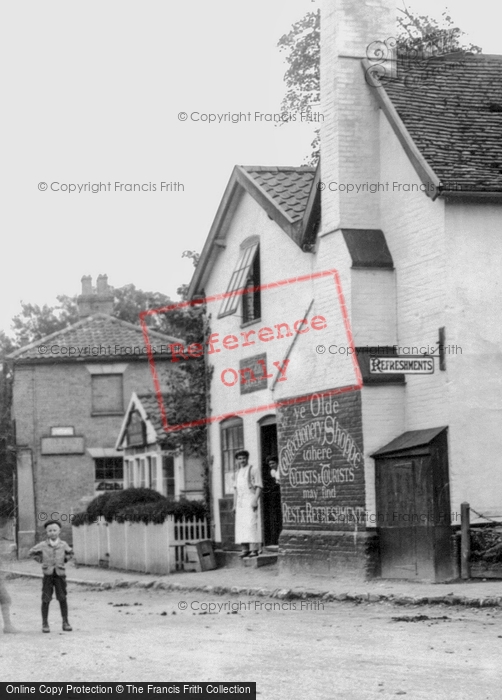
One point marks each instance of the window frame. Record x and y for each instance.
(111, 479)
(252, 293)
(95, 378)
(168, 480)
(250, 248)
(230, 446)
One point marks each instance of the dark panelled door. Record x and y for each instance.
(405, 517)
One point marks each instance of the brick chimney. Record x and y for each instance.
(99, 301)
(350, 131)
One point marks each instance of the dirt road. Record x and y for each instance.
(292, 650)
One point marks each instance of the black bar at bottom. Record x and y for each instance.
(120, 691)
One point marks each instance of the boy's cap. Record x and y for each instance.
(272, 458)
(52, 522)
(241, 453)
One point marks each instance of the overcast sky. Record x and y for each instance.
(91, 94)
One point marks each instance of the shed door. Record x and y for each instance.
(405, 517)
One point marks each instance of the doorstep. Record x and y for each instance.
(232, 559)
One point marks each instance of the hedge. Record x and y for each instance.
(138, 505)
(486, 543)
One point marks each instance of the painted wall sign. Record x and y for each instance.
(253, 373)
(402, 365)
(321, 462)
(62, 445)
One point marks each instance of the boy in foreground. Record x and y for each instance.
(53, 554)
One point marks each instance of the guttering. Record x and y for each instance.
(422, 167)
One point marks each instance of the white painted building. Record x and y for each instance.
(150, 459)
(373, 467)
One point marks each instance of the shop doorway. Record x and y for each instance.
(413, 506)
(271, 498)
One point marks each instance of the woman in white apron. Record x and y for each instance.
(247, 490)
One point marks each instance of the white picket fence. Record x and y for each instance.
(152, 549)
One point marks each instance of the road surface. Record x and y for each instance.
(292, 650)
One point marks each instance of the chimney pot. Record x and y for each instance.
(95, 301)
(86, 285)
(102, 284)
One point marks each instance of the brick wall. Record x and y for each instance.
(322, 483)
(59, 394)
(350, 146)
(472, 322)
(373, 312)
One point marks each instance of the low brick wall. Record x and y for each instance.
(330, 553)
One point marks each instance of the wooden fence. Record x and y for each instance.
(152, 548)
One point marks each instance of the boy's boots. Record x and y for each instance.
(45, 617)
(64, 614)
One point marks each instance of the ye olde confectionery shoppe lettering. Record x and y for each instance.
(322, 466)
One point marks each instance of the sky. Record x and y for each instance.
(93, 94)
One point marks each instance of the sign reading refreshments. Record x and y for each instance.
(402, 365)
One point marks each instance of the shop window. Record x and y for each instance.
(107, 394)
(168, 481)
(109, 473)
(242, 273)
(232, 440)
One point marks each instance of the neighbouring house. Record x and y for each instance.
(150, 458)
(70, 392)
(407, 208)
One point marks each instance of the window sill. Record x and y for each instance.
(108, 413)
(250, 323)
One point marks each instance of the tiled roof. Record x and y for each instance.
(151, 405)
(288, 187)
(124, 340)
(452, 108)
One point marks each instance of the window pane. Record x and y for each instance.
(238, 280)
(232, 440)
(168, 486)
(152, 472)
(142, 472)
(109, 473)
(251, 301)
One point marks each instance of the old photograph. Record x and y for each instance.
(251, 349)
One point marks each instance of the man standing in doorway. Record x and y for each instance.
(247, 490)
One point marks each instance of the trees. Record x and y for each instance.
(418, 38)
(34, 322)
(302, 48)
(430, 37)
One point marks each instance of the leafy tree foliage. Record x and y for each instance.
(302, 48)
(34, 321)
(430, 37)
(188, 385)
(418, 35)
(195, 257)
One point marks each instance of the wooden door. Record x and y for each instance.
(405, 517)
(271, 497)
